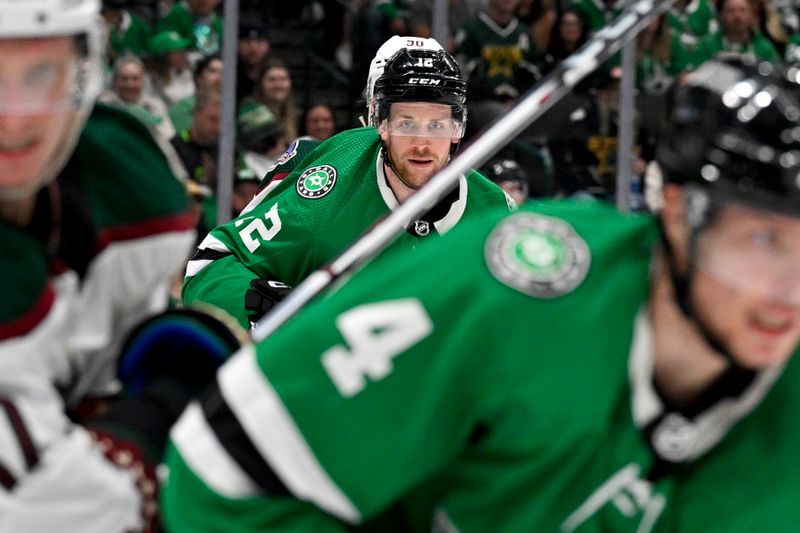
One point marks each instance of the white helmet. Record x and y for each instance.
(21, 19)
(384, 53)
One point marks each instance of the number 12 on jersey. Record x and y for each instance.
(375, 333)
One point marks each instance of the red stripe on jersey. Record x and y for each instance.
(24, 438)
(146, 228)
(31, 318)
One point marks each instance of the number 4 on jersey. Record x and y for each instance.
(376, 333)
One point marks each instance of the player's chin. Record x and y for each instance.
(761, 355)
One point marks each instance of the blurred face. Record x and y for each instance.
(205, 125)
(129, 82)
(243, 192)
(418, 137)
(515, 190)
(319, 122)
(211, 75)
(202, 8)
(252, 51)
(736, 17)
(178, 59)
(276, 84)
(36, 79)
(570, 28)
(746, 286)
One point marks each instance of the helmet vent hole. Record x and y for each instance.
(41, 18)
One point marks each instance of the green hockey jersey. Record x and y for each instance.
(501, 63)
(504, 386)
(298, 223)
(692, 23)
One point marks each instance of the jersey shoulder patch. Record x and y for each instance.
(317, 181)
(537, 255)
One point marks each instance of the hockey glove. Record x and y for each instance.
(262, 296)
(185, 344)
(165, 361)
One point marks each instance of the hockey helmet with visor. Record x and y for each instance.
(734, 145)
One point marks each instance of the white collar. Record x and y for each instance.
(676, 438)
(442, 225)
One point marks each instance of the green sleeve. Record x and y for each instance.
(222, 284)
(269, 242)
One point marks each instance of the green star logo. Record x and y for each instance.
(316, 182)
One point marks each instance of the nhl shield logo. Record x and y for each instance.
(422, 227)
(537, 255)
(316, 182)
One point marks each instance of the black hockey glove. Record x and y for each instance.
(164, 362)
(262, 296)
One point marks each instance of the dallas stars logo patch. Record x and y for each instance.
(537, 255)
(316, 182)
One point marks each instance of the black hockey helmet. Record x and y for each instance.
(500, 170)
(735, 135)
(418, 75)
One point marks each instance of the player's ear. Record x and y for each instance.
(383, 131)
(673, 219)
(458, 132)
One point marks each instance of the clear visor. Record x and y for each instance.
(758, 255)
(407, 127)
(41, 88)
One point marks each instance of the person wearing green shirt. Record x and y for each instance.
(198, 22)
(127, 31)
(691, 20)
(349, 181)
(564, 368)
(736, 35)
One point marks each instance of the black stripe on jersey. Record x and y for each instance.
(234, 439)
(6, 479)
(202, 254)
(24, 438)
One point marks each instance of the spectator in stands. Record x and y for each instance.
(170, 72)
(260, 135)
(500, 61)
(597, 13)
(459, 12)
(738, 34)
(541, 16)
(660, 58)
(198, 144)
(375, 21)
(128, 91)
(570, 33)
(197, 21)
(768, 22)
(127, 32)
(245, 187)
(274, 89)
(692, 20)
(207, 74)
(318, 122)
(253, 48)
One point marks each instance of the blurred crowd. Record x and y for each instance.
(165, 65)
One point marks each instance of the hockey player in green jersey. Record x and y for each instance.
(563, 368)
(294, 226)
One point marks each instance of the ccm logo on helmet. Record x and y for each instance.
(423, 81)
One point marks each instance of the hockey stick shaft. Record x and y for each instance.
(547, 92)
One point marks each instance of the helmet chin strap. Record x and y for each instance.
(682, 283)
